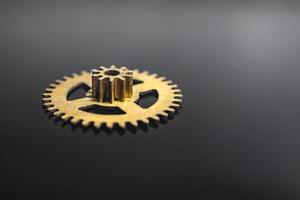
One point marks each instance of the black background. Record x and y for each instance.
(236, 136)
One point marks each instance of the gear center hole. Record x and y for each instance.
(112, 72)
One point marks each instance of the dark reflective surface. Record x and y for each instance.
(236, 136)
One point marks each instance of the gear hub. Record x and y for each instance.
(112, 84)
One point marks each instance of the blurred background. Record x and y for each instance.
(236, 136)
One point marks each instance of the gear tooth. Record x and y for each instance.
(177, 101)
(46, 95)
(122, 124)
(61, 115)
(106, 92)
(102, 68)
(52, 85)
(75, 74)
(134, 123)
(123, 68)
(84, 72)
(136, 71)
(95, 71)
(52, 109)
(175, 105)
(178, 95)
(177, 91)
(154, 75)
(46, 100)
(162, 78)
(58, 81)
(48, 104)
(120, 89)
(97, 124)
(164, 114)
(174, 86)
(170, 109)
(48, 90)
(109, 125)
(74, 120)
(128, 73)
(145, 72)
(56, 112)
(95, 75)
(169, 82)
(65, 117)
(85, 123)
(66, 77)
(146, 121)
(156, 118)
(128, 85)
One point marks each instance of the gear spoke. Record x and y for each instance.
(143, 87)
(131, 108)
(82, 102)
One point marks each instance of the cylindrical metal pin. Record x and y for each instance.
(95, 85)
(119, 89)
(128, 86)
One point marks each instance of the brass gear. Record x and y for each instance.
(168, 100)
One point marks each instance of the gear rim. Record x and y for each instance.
(169, 100)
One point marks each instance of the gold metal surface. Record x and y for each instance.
(112, 87)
